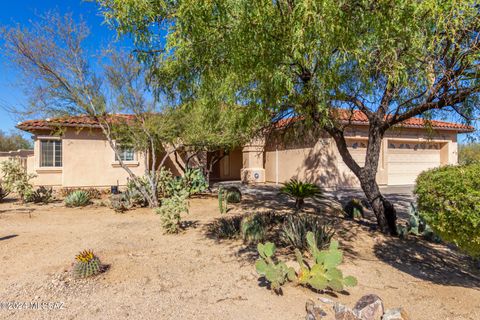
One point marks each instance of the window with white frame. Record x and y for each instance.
(126, 153)
(50, 153)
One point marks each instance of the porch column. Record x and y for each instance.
(253, 170)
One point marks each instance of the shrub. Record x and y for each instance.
(194, 181)
(171, 210)
(254, 227)
(15, 178)
(77, 199)
(276, 273)
(418, 226)
(323, 273)
(226, 196)
(3, 193)
(120, 202)
(41, 195)
(93, 193)
(87, 264)
(448, 199)
(300, 191)
(353, 209)
(225, 228)
(295, 228)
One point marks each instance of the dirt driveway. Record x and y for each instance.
(191, 276)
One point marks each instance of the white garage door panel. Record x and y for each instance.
(405, 165)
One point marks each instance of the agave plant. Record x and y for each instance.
(77, 199)
(87, 264)
(299, 191)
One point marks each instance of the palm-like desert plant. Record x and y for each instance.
(299, 191)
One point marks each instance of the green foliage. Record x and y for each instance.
(77, 198)
(225, 228)
(194, 181)
(87, 264)
(254, 227)
(353, 209)
(15, 178)
(41, 195)
(13, 142)
(469, 153)
(299, 191)
(448, 199)
(222, 203)
(228, 195)
(323, 273)
(276, 273)
(171, 210)
(295, 228)
(416, 225)
(233, 195)
(3, 193)
(120, 202)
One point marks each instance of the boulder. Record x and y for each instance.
(369, 307)
(395, 314)
(344, 313)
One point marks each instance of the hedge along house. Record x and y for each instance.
(81, 156)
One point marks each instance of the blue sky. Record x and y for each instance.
(22, 11)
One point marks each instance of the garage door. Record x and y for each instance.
(407, 160)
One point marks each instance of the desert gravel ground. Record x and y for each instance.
(191, 276)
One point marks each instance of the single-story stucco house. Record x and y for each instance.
(82, 157)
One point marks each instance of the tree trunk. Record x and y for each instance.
(382, 208)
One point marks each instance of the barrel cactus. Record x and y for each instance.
(87, 264)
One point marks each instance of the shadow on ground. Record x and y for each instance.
(8, 237)
(427, 261)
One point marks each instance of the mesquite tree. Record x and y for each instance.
(59, 80)
(392, 60)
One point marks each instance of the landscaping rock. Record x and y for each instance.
(369, 307)
(344, 313)
(396, 314)
(314, 312)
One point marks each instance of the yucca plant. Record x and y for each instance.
(77, 199)
(87, 264)
(300, 191)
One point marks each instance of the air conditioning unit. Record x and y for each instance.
(257, 175)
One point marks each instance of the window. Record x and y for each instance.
(126, 153)
(50, 153)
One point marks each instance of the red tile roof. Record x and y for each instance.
(71, 121)
(359, 118)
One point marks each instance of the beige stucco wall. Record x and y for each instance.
(87, 161)
(317, 160)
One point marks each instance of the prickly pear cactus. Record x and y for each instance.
(323, 273)
(87, 264)
(275, 273)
